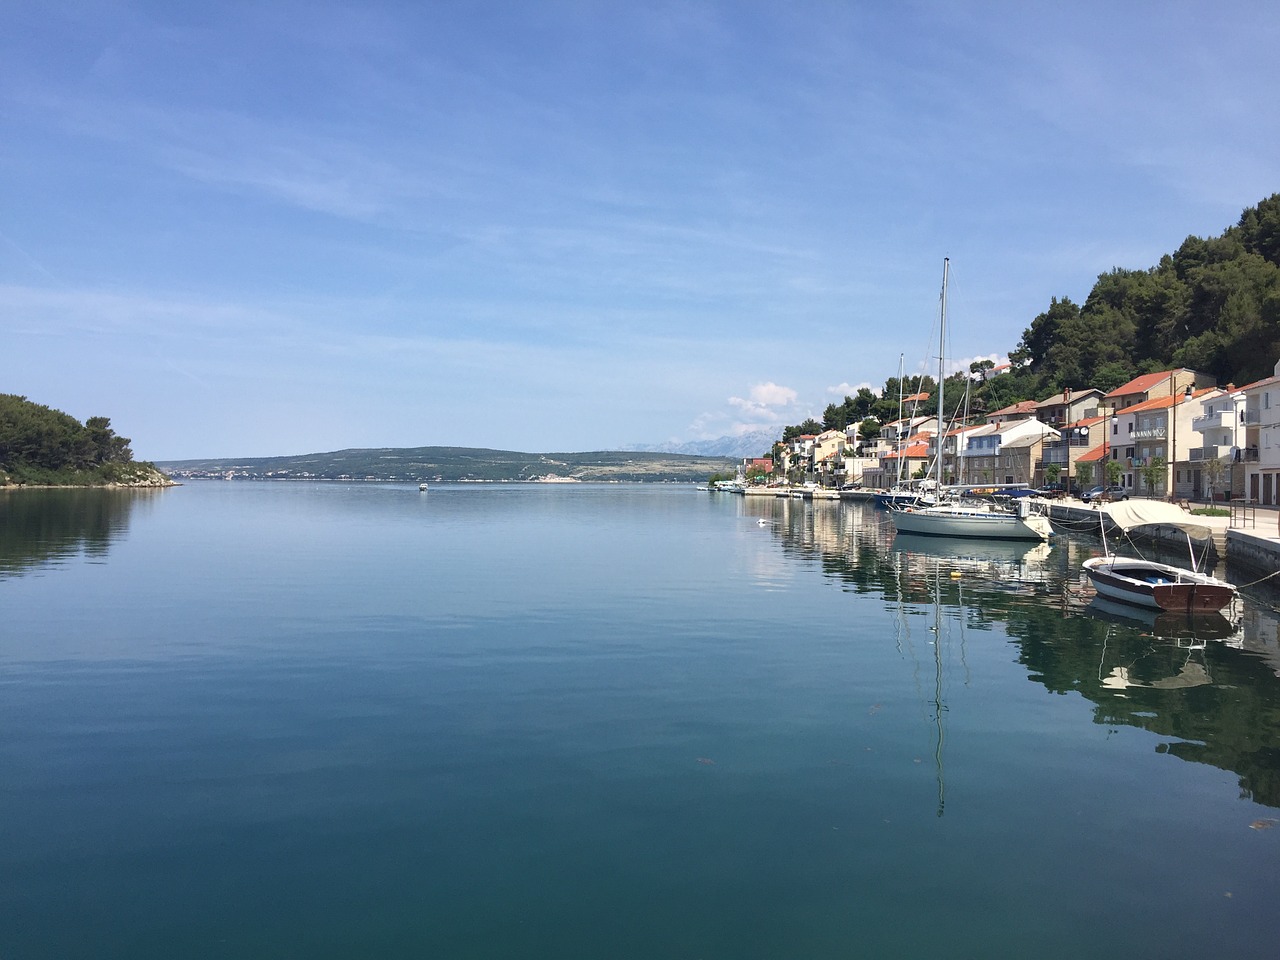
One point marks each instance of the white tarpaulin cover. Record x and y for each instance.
(1128, 514)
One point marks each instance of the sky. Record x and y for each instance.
(268, 228)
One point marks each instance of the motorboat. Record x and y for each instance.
(1152, 584)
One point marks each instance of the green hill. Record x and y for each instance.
(417, 464)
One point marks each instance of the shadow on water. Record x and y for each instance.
(45, 528)
(1208, 687)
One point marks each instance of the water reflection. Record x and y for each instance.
(43, 528)
(1208, 687)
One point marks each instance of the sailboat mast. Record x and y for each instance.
(898, 426)
(942, 362)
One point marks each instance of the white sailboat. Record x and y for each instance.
(956, 518)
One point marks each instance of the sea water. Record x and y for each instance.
(608, 721)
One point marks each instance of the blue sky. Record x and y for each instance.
(243, 229)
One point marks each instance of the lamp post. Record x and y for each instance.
(1173, 431)
(1106, 432)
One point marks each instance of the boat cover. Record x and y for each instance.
(1128, 514)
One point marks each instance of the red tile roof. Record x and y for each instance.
(1024, 406)
(1097, 453)
(1159, 403)
(1141, 384)
(915, 450)
(1256, 383)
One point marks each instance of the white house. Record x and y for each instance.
(1220, 428)
(1262, 439)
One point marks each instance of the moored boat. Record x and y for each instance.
(1151, 584)
(979, 520)
(955, 517)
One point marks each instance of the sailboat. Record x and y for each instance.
(903, 491)
(956, 518)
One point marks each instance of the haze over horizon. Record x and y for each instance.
(247, 230)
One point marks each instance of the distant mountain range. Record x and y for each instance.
(755, 444)
(418, 464)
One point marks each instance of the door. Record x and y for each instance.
(1253, 487)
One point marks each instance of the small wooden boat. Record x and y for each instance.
(1147, 583)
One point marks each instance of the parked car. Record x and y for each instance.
(1104, 493)
(1052, 491)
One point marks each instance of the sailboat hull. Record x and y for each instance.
(960, 522)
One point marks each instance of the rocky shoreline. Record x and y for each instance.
(146, 478)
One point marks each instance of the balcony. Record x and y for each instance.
(1222, 420)
(1150, 433)
(1207, 453)
(1267, 417)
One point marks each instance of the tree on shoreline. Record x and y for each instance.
(41, 445)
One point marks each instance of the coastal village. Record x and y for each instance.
(1173, 434)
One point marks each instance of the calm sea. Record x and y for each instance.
(317, 720)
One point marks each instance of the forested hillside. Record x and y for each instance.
(1213, 305)
(40, 445)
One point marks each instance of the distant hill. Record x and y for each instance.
(755, 444)
(417, 464)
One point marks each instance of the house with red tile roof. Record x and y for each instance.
(1158, 431)
(1024, 410)
(1149, 385)
(1005, 452)
(1069, 406)
(1074, 443)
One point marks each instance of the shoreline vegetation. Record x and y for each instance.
(45, 448)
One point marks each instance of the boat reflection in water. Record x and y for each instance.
(1166, 625)
(1208, 686)
(1179, 641)
(1008, 565)
(945, 576)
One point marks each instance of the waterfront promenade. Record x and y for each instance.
(1249, 538)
